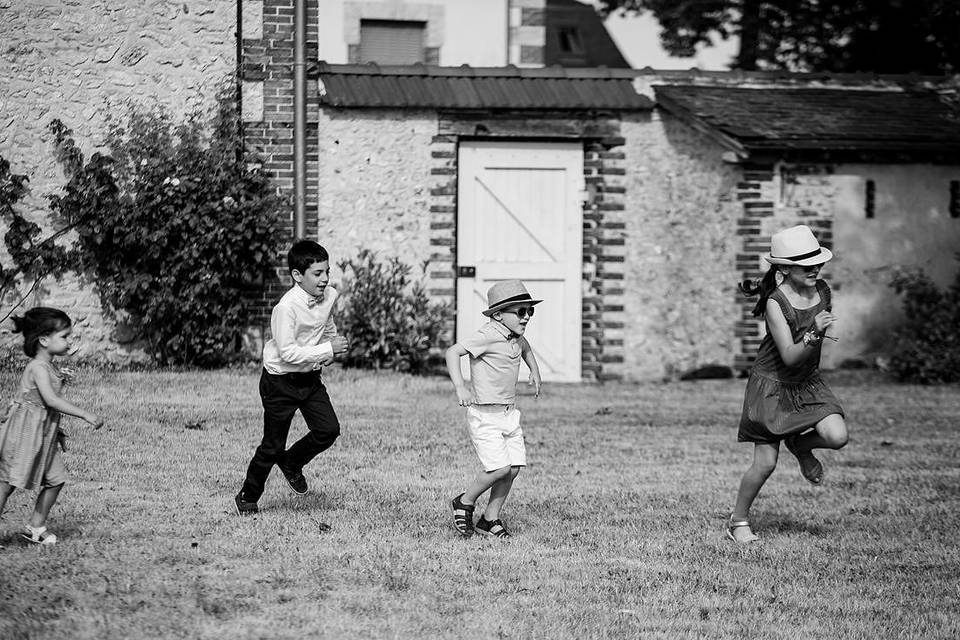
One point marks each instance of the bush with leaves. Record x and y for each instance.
(390, 320)
(31, 258)
(174, 227)
(927, 345)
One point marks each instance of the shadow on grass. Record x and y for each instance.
(312, 502)
(786, 525)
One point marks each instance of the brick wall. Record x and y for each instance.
(267, 56)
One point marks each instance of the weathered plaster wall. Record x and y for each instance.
(79, 59)
(374, 184)
(681, 244)
(911, 228)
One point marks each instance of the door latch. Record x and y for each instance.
(466, 272)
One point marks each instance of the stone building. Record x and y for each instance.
(632, 201)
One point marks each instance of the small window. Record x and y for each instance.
(955, 198)
(869, 200)
(392, 41)
(570, 40)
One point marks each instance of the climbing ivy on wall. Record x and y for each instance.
(176, 227)
(31, 256)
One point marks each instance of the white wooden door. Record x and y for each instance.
(519, 216)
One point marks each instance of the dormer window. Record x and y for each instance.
(392, 41)
(570, 40)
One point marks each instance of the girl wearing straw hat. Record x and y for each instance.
(786, 399)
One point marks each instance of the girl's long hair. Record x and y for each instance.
(37, 323)
(763, 287)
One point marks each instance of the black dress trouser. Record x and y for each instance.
(282, 395)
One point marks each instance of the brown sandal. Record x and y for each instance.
(462, 517)
(810, 467)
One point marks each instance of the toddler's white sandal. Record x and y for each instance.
(39, 535)
(733, 524)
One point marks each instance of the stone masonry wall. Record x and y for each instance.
(374, 184)
(78, 60)
(682, 238)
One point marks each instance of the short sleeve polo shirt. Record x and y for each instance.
(495, 355)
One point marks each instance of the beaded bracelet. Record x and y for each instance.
(811, 338)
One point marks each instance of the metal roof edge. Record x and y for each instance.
(779, 75)
(466, 71)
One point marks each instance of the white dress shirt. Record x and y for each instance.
(301, 328)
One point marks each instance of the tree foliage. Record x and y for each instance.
(175, 228)
(880, 36)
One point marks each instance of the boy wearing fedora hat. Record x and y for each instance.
(785, 398)
(493, 419)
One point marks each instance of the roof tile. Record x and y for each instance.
(851, 119)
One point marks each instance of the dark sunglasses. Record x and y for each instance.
(812, 268)
(521, 312)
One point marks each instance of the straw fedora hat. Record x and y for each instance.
(797, 246)
(506, 294)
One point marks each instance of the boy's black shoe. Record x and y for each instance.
(462, 517)
(295, 479)
(245, 507)
(493, 528)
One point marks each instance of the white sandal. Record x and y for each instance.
(39, 535)
(739, 524)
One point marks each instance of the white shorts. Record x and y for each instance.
(496, 435)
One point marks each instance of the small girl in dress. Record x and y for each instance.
(29, 438)
(785, 398)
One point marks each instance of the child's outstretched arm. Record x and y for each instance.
(330, 334)
(526, 352)
(50, 398)
(792, 352)
(452, 356)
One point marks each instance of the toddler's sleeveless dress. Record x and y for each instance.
(782, 401)
(29, 451)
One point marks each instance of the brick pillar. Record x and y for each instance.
(441, 278)
(527, 33)
(604, 229)
(267, 75)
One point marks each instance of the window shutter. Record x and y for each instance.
(391, 41)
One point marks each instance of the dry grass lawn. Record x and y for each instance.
(618, 520)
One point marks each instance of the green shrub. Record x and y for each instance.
(927, 345)
(388, 318)
(29, 257)
(175, 228)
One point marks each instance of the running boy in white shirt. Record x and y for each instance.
(304, 338)
(492, 416)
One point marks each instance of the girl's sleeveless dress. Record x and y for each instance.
(29, 451)
(782, 401)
